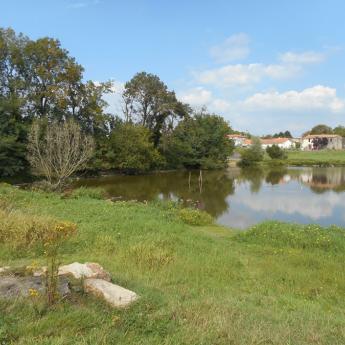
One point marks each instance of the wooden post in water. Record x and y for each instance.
(189, 178)
(200, 181)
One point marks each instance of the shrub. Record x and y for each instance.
(195, 217)
(275, 152)
(253, 154)
(87, 192)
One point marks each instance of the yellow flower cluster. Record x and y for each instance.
(33, 293)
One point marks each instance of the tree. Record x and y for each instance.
(339, 130)
(39, 79)
(285, 134)
(321, 129)
(275, 152)
(12, 141)
(130, 149)
(148, 102)
(200, 141)
(253, 154)
(12, 90)
(57, 150)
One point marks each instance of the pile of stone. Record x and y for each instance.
(95, 280)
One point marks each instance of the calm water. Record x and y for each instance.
(239, 198)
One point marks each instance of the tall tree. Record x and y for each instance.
(200, 141)
(339, 130)
(148, 102)
(321, 129)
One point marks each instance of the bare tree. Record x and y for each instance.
(57, 150)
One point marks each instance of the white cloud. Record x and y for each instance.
(307, 204)
(233, 48)
(309, 57)
(316, 97)
(114, 97)
(199, 97)
(245, 74)
(82, 4)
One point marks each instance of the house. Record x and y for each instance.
(322, 141)
(238, 139)
(283, 143)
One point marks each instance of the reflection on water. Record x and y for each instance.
(239, 198)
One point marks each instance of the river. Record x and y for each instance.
(240, 198)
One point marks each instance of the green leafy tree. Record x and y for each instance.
(339, 130)
(321, 129)
(148, 102)
(275, 152)
(131, 150)
(39, 79)
(253, 154)
(200, 141)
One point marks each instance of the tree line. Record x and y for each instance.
(42, 86)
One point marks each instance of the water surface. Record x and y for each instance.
(240, 198)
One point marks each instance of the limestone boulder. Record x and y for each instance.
(87, 270)
(14, 286)
(115, 295)
(4, 269)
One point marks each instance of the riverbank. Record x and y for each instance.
(324, 158)
(275, 284)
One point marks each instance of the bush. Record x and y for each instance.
(195, 217)
(87, 192)
(275, 152)
(253, 154)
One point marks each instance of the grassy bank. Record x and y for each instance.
(311, 158)
(275, 284)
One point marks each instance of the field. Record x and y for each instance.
(274, 284)
(326, 156)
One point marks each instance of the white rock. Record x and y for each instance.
(87, 270)
(4, 269)
(115, 295)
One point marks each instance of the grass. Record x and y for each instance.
(274, 284)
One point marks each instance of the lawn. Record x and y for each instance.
(274, 284)
(320, 156)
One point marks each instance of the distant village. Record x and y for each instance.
(309, 142)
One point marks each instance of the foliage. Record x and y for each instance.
(40, 80)
(149, 103)
(275, 152)
(339, 130)
(195, 217)
(58, 150)
(253, 154)
(131, 150)
(321, 129)
(199, 142)
(285, 134)
(88, 192)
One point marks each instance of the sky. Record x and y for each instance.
(266, 66)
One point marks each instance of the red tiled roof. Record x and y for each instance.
(273, 141)
(311, 136)
(230, 136)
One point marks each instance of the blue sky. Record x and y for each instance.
(264, 65)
